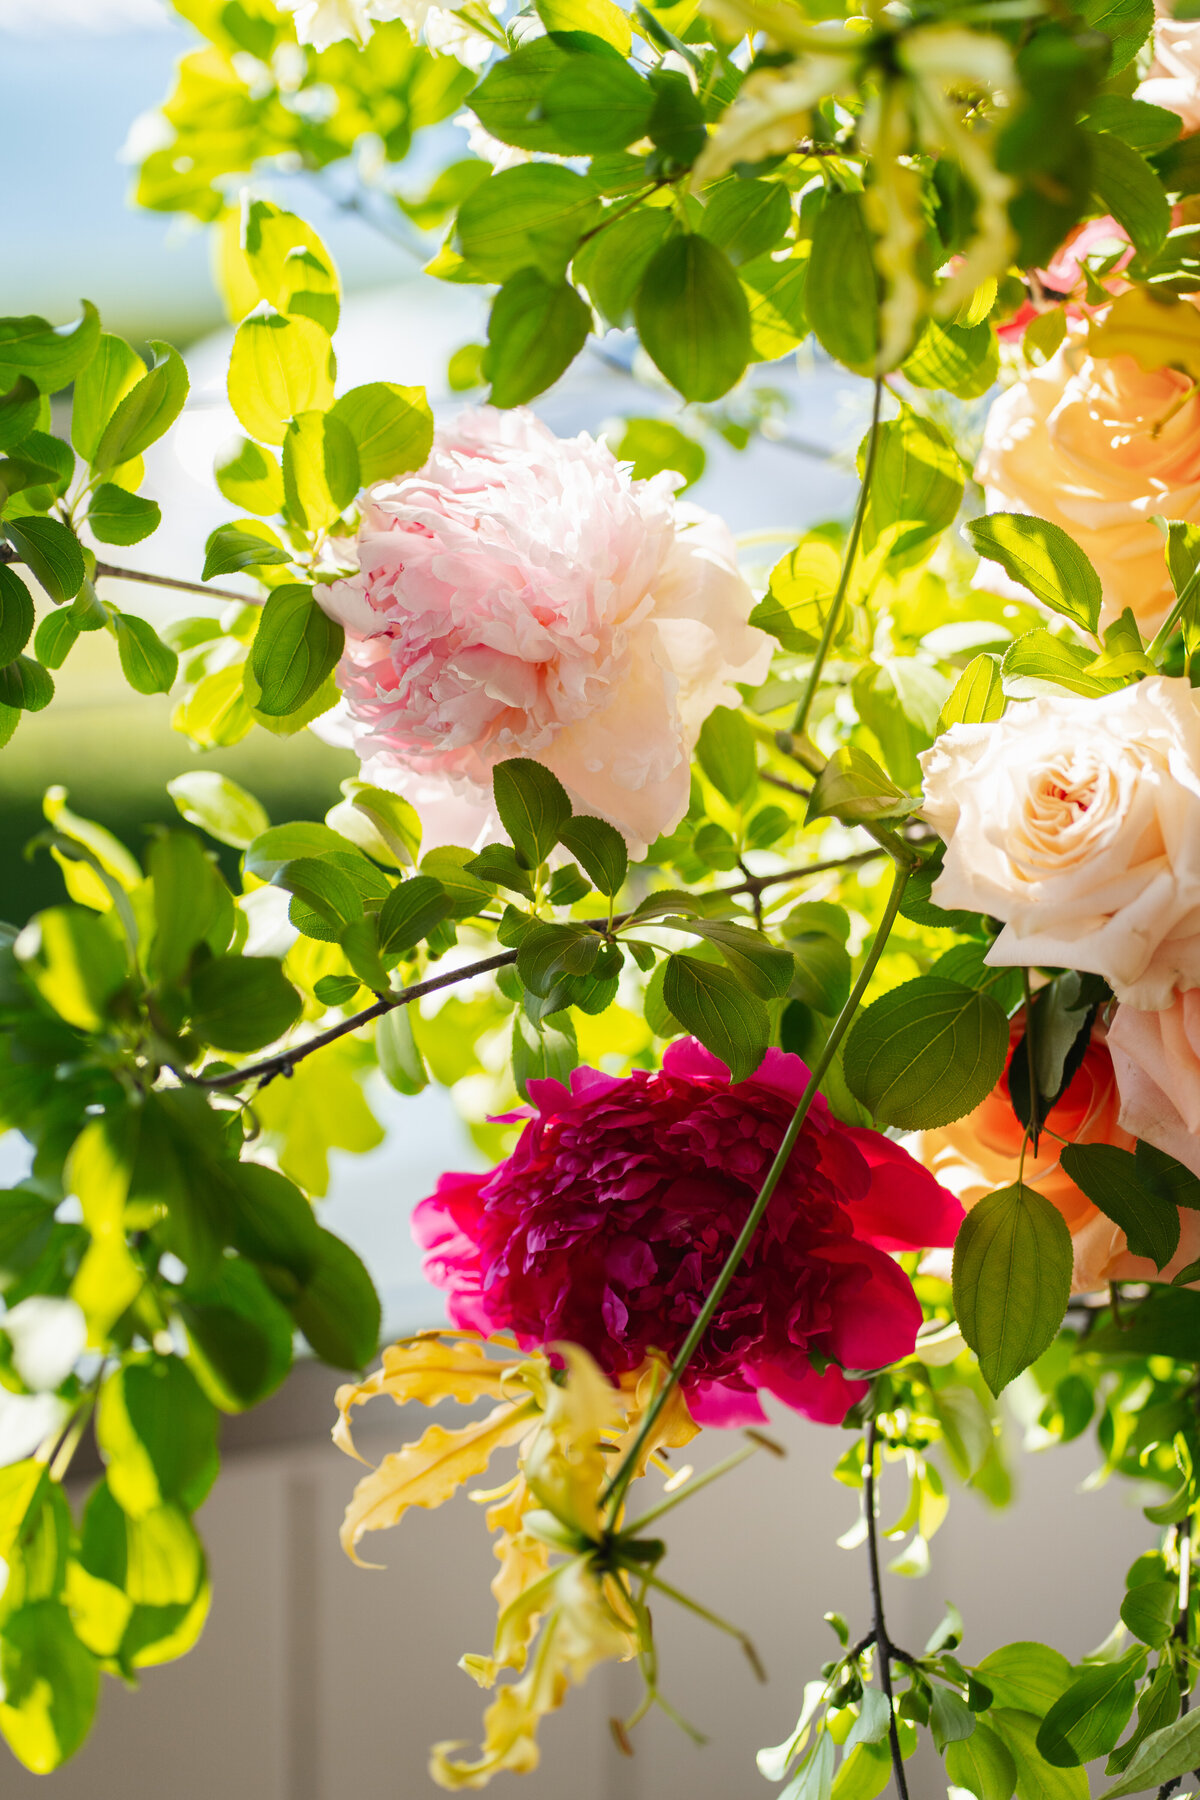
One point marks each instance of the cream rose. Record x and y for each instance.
(1173, 78)
(1156, 1056)
(1077, 822)
(1098, 445)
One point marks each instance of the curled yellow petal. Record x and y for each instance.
(430, 1367)
(428, 1472)
(564, 1461)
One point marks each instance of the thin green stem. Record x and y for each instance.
(1158, 642)
(624, 1474)
(709, 1617)
(835, 609)
(689, 1488)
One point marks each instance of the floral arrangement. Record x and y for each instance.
(813, 951)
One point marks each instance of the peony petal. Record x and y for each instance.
(905, 1209)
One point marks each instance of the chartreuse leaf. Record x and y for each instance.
(189, 900)
(281, 844)
(250, 477)
(842, 290)
(119, 517)
(981, 1763)
(1012, 1279)
(536, 328)
(926, 1053)
(241, 1003)
(146, 662)
(50, 358)
(652, 445)
(916, 486)
(1028, 1676)
(1036, 1778)
(693, 317)
(1112, 1180)
(747, 219)
(1040, 656)
(1164, 1755)
(51, 552)
(852, 787)
(50, 1683)
(219, 806)
(712, 1003)
(288, 264)
(400, 1060)
(75, 960)
(977, 697)
(279, 367)
(19, 409)
(1149, 1611)
(1088, 1719)
(599, 18)
(295, 647)
(382, 824)
(392, 428)
(231, 548)
(145, 411)
(1043, 558)
(320, 470)
(16, 614)
(338, 1308)
(533, 807)
(599, 849)
(113, 371)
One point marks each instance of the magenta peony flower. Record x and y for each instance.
(613, 1216)
(522, 595)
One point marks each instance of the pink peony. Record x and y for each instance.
(522, 595)
(613, 1216)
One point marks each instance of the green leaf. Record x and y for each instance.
(241, 1003)
(16, 614)
(50, 1682)
(279, 367)
(99, 388)
(219, 806)
(529, 217)
(250, 477)
(410, 912)
(1165, 1323)
(320, 470)
(289, 265)
(281, 844)
(965, 359)
(852, 787)
(1060, 1029)
(775, 289)
(600, 849)
(677, 123)
(1012, 1279)
(145, 411)
(842, 292)
(392, 428)
(916, 488)
(1028, 1676)
(533, 807)
(118, 517)
(545, 1052)
(1044, 559)
(75, 961)
(56, 636)
(536, 328)
(599, 18)
(652, 445)
(1170, 1180)
(229, 549)
(1036, 1778)
(158, 1435)
(239, 1336)
(613, 261)
(273, 1224)
(295, 647)
(51, 552)
(508, 101)
(1146, 127)
(19, 409)
(1126, 186)
(1164, 1755)
(725, 751)
(1111, 1179)
(155, 1558)
(711, 1002)
(188, 896)
(1127, 23)
(382, 824)
(400, 1060)
(761, 967)
(548, 951)
(693, 317)
(1038, 656)
(981, 1763)
(50, 358)
(747, 219)
(1149, 1611)
(1089, 1718)
(926, 1053)
(147, 664)
(977, 697)
(597, 103)
(338, 1308)
(327, 887)
(25, 686)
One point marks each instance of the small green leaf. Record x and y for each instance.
(725, 751)
(16, 614)
(529, 217)
(295, 647)
(1164, 1755)
(1044, 559)
(977, 697)
(1149, 1611)
(279, 367)
(1111, 1179)
(230, 549)
(693, 317)
(242, 1003)
(400, 1060)
(536, 328)
(158, 1435)
(250, 477)
(852, 787)
(1012, 1279)
(52, 554)
(25, 685)
(392, 428)
(711, 1002)
(600, 849)
(50, 358)
(320, 470)
(410, 912)
(50, 1683)
(118, 517)
(219, 806)
(147, 664)
(145, 412)
(19, 409)
(548, 1051)
(652, 445)
(533, 807)
(239, 1336)
(1127, 23)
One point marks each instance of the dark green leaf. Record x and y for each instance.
(295, 648)
(1164, 1755)
(597, 103)
(926, 1053)
(533, 807)
(240, 1337)
(240, 1003)
(536, 328)
(25, 685)
(19, 409)
(761, 967)
(1044, 559)
(1127, 23)
(1127, 187)
(52, 554)
(711, 1002)
(1170, 1179)
(338, 1308)
(410, 912)
(118, 517)
(600, 849)
(676, 125)
(508, 101)
(16, 614)
(612, 262)
(1111, 1180)
(281, 844)
(157, 1433)
(187, 900)
(1149, 1611)
(693, 317)
(1165, 1323)
(542, 1052)
(272, 1223)
(1012, 1279)
(147, 664)
(528, 217)
(1062, 1016)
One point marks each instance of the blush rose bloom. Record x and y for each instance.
(1157, 1059)
(523, 595)
(1173, 78)
(612, 1218)
(1099, 445)
(1077, 822)
(982, 1152)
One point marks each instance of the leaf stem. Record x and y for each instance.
(615, 1492)
(883, 1643)
(9, 555)
(852, 542)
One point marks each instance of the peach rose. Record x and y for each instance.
(1173, 78)
(1099, 445)
(1157, 1059)
(978, 1154)
(1077, 821)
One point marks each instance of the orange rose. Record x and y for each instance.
(982, 1152)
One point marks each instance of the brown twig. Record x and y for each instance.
(9, 555)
